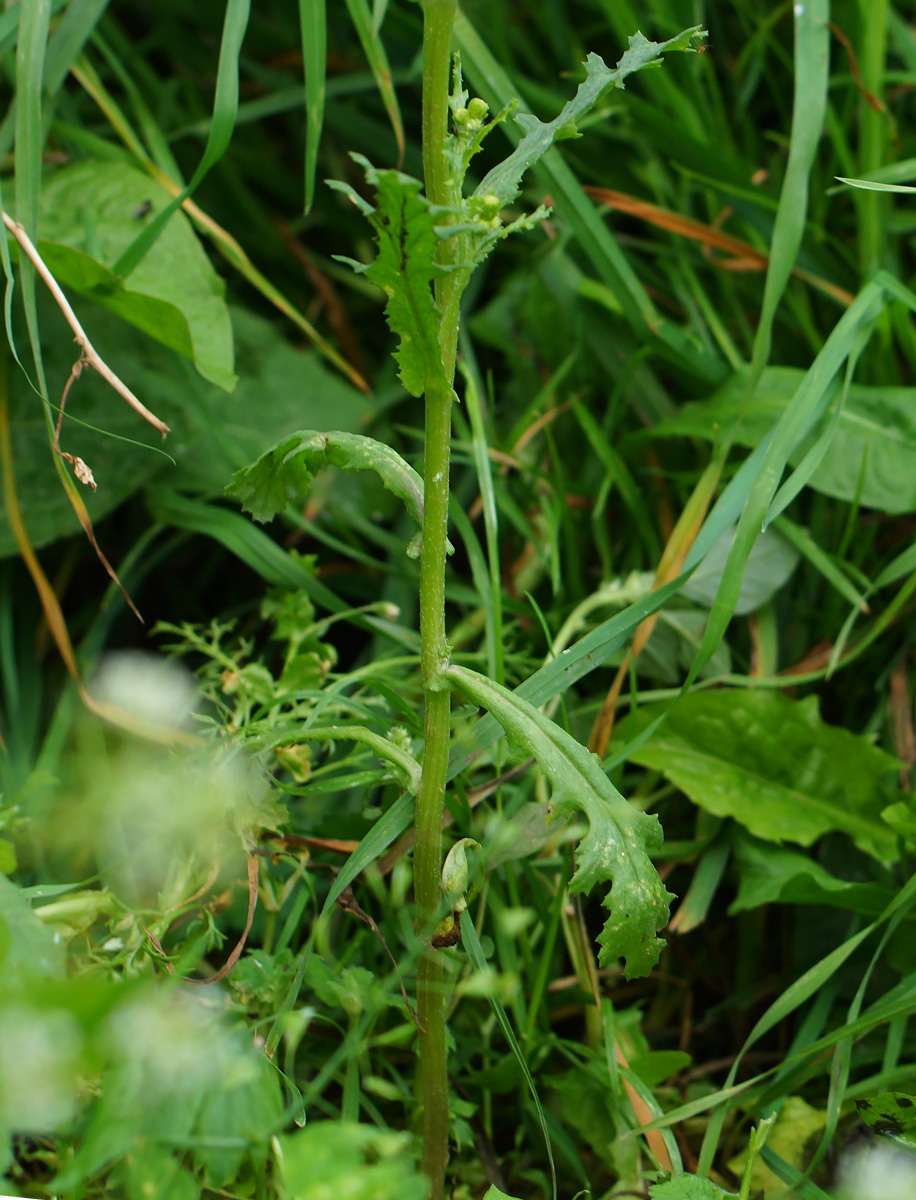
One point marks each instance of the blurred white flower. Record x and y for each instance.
(880, 1171)
(39, 1052)
(152, 689)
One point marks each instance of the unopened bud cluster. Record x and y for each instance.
(470, 119)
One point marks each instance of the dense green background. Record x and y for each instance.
(611, 351)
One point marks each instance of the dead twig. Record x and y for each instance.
(240, 945)
(88, 353)
(80, 469)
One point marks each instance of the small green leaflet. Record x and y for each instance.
(892, 1114)
(285, 472)
(404, 224)
(504, 180)
(615, 849)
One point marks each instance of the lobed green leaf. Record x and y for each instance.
(404, 224)
(285, 472)
(615, 849)
(504, 180)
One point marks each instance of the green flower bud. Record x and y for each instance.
(489, 206)
(455, 873)
(477, 109)
(400, 737)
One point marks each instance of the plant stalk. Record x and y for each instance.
(438, 18)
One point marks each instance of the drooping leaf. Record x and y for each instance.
(772, 764)
(285, 472)
(505, 179)
(90, 213)
(404, 224)
(874, 440)
(615, 849)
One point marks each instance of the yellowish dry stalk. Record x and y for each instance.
(88, 352)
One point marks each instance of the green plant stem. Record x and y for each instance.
(438, 17)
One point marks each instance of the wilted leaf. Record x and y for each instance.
(615, 849)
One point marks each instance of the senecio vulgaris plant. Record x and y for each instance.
(430, 238)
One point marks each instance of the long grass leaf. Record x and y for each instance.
(478, 958)
(395, 821)
(811, 79)
(225, 109)
(313, 31)
(374, 50)
(802, 412)
(70, 35)
(493, 608)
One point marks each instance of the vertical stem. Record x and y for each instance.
(438, 17)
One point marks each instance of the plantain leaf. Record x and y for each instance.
(771, 764)
(615, 849)
(504, 180)
(771, 874)
(285, 472)
(404, 224)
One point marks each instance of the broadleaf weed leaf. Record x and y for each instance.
(615, 849)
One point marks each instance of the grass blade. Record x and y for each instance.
(313, 31)
(374, 50)
(225, 109)
(475, 953)
(812, 76)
